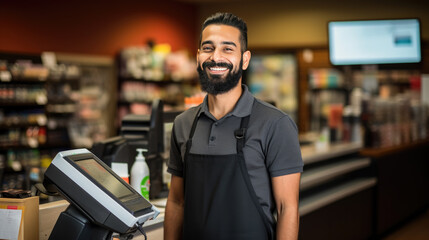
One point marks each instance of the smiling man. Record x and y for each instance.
(235, 160)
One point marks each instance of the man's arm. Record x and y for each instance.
(286, 195)
(173, 220)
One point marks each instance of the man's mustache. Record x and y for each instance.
(215, 64)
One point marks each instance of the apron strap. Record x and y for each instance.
(189, 142)
(240, 134)
(191, 133)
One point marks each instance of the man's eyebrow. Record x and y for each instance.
(207, 42)
(229, 43)
(224, 43)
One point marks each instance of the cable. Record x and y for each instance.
(40, 188)
(140, 227)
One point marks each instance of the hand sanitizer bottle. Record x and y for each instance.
(140, 174)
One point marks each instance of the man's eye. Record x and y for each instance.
(207, 48)
(228, 49)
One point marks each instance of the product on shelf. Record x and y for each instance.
(156, 62)
(382, 106)
(46, 108)
(151, 72)
(325, 78)
(394, 121)
(273, 78)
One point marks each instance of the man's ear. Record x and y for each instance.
(246, 59)
(198, 54)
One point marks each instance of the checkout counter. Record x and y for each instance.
(336, 193)
(49, 213)
(337, 183)
(347, 192)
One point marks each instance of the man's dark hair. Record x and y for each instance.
(230, 20)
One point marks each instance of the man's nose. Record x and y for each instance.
(216, 55)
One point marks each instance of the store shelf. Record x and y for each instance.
(164, 81)
(380, 152)
(322, 199)
(43, 80)
(13, 146)
(21, 104)
(19, 125)
(149, 102)
(339, 89)
(10, 170)
(311, 154)
(321, 175)
(61, 90)
(29, 80)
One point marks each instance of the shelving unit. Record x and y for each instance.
(26, 130)
(327, 87)
(146, 73)
(135, 96)
(27, 112)
(272, 77)
(40, 108)
(171, 92)
(314, 177)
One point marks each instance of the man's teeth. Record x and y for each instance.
(218, 69)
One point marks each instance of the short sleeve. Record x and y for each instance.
(283, 150)
(175, 163)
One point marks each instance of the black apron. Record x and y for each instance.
(220, 202)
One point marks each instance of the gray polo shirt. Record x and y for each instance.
(271, 149)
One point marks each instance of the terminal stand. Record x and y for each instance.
(73, 225)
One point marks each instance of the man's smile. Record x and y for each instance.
(214, 68)
(218, 70)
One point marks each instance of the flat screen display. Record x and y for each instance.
(105, 178)
(374, 42)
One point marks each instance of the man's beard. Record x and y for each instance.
(215, 84)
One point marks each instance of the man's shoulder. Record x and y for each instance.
(265, 114)
(183, 122)
(266, 111)
(187, 116)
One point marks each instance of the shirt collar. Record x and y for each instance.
(243, 107)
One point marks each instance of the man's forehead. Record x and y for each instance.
(221, 32)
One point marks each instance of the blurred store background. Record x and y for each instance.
(71, 71)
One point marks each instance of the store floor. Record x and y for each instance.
(416, 229)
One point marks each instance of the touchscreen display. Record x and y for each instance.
(105, 178)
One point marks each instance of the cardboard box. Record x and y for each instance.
(29, 227)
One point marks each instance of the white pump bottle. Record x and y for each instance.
(140, 177)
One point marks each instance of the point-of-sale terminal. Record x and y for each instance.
(101, 202)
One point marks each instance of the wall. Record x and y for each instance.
(94, 27)
(304, 23)
(104, 27)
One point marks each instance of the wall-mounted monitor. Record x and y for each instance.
(374, 42)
